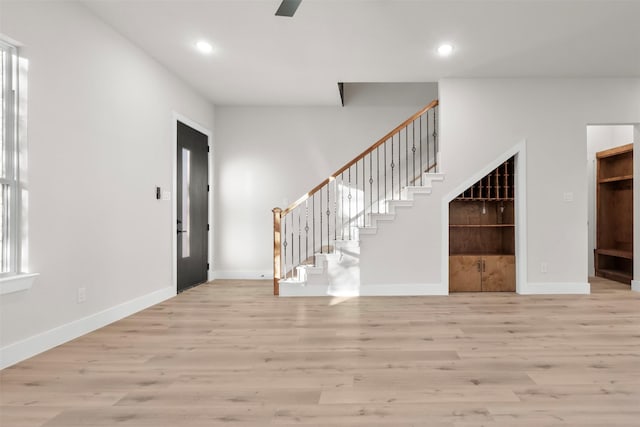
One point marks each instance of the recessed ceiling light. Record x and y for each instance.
(445, 50)
(204, 47)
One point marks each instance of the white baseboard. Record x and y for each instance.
(21, 350)
(413, 289)
(635, 285)
(557, 288)
(243, 275)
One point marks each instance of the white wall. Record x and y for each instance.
(600, 138)
(482, 119)
(99, 141)
(551, 114)
(270, 156)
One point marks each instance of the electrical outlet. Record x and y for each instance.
(82, 295)
(544, 267)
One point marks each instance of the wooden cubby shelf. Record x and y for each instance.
(616, 253)
(482, 234)
(616, 179)
(614, 205)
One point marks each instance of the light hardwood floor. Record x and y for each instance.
(229, 353)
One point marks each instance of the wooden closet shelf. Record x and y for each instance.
(616, 179)
(615, 252)
(615, 151)
(617, 275)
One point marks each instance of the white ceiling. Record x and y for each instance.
(262, 59)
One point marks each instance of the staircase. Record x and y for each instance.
(317, 239)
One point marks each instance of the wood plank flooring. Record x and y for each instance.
(228, 353)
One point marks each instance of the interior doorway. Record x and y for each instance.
(192, 206)
(610, 172)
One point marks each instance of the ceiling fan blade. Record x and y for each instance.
(288, 8)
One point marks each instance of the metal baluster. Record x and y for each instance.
(435, 136)
(349, 197)
(378, 180)
(392, 167)
(299, 238)
(328, 220)
(413, 148)
(385, 177)
(420, 135)
(364, 192)
(313, 214)
(292, 245)
(306, 230)
(320, 213)
(406, 156)
(335, 212)
(428, 145)
(370, 186)
(400, 165)
(356, 195)
(284, 244)
(342, 204)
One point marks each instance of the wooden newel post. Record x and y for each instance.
(276, 250)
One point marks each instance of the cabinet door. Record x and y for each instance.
(465, 273)
(499, 273)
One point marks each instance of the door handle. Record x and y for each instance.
(478, 264)
(484, 266)
(182, 231)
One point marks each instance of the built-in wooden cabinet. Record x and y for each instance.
(614, 207)
(482, 235)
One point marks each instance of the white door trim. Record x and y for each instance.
(175, 118)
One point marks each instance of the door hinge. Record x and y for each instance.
(207, 187)
(207, 148)
(207, 227)
(207, 266)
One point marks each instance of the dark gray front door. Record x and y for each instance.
(192, 204)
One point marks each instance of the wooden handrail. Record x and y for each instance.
(381, 141)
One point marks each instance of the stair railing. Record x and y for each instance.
(336, 208)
